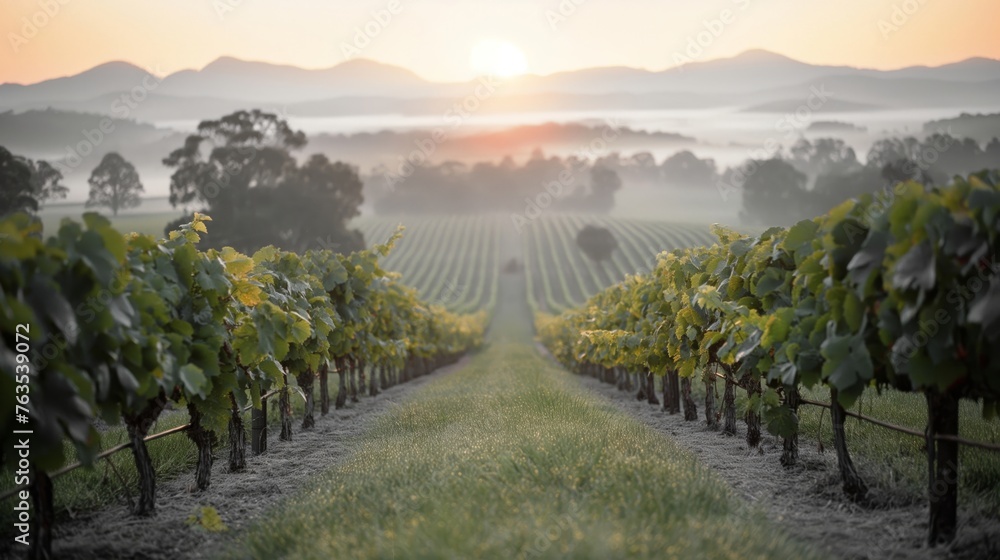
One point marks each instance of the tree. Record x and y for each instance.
(16, 194)
(833, 188)
(230, 156)
(774, 193)
(992, 151)
(823, 156)
(604, 183)
(114, 183)
(319, 198)
(26, 184)
(890, 150)
(685, 168)
(241, 171)
(553, 183)
(904, 169)
(641, 169)
(596, 242)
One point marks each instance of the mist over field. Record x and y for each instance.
(523, 279)
(391, 124)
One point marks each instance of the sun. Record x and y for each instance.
(501, 59)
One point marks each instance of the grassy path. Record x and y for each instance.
(511, 458)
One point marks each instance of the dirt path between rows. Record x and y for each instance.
(240, 498)
(806, 500)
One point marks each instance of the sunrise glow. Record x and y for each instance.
(498, 58)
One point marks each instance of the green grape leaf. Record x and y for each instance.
(781, 421)
(194, 380)
(985, 310)
(916, 270)
(800, 234)
(848, 364)
(853, 311)
(771, 281)
(777, 327)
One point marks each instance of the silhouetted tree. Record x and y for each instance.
(16, 193)
(903, 170)
(317, 200)
(992, 152)
(604, 183)
(774, 193)
(641, 169)
(834, 188)
(823, 156)
(26, 184)
(596, 242)
(114, 183)
(951, 156)
(240, 169)
(889, 150)
(553, 183)
(685, 168)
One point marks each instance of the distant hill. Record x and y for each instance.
(100, 80)
(834, 126)
(754, 70)
(53, 132)
(163, 108)
(232, 78)
(791, 105)
(982, 127)
(75, 143)
(752, 78)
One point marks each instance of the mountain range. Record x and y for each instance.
(754, 80)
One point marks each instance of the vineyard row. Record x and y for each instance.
(100, 326)
(899, 289)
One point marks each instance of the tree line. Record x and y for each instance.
(574, 184)
(814, 176)
(244, 170)
(27, 184)
(240, 168)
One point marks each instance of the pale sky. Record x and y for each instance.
(435, 38)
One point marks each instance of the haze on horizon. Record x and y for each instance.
(514, 36)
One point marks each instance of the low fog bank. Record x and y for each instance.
(740, 168)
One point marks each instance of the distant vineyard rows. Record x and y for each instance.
(451, 261)
(560, 276)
